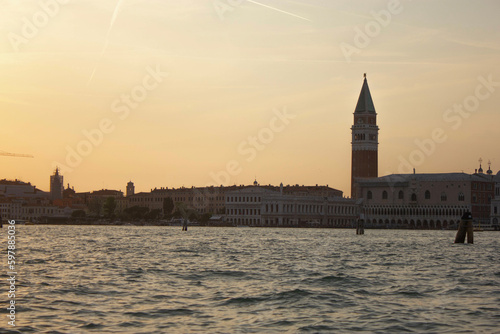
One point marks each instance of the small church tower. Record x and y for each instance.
(364, 138)
(56, 185)
(130, 189)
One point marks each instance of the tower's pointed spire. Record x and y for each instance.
(365, 102)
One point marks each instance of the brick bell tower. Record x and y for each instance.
(364, 139)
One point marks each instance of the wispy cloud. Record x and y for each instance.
(472, 43)
(279, 10)
(106, 40)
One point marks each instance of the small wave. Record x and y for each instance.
(131, 324)
(288, 296)
(135, 271)
(455, 290)
(230, 273)
(91, 311)
(139, 314)
(293, 294)
(396, 329)
(21, 330)
(91, 326)
(174, 312)
(364, 292)
(161, 313)
(411, 293)
(24, 308)
(184, 250)
(161, 297)
(35, 261)
(333, 278)
(66, 302)
(317, 328)
(243, 300)
(282, 323)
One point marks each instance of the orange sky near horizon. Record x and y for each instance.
(209, 92)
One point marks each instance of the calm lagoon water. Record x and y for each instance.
(107, 279)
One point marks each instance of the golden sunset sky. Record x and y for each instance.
(70, 67)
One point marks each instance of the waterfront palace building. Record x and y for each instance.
(259, 206)
(427, 201)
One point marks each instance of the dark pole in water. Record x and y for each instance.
(360, 228)
(465, 228)
(184, 224)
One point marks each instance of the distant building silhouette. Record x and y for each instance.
(24, 201)
(130, 189)
(56, 185)
(364, 162)
(69, 192)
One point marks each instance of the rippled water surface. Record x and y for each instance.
(93, 279)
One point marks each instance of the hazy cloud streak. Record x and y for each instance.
(279, 10)
(106, 41)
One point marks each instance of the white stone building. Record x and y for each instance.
(258, 206)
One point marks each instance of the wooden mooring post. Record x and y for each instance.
(360, 226)
(465, 228)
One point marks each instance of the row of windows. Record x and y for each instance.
(341, 222)
(310, 208)
(246, 212)
(422, 211)
(176, 199)
(248, 199)
(145, 199)
(298, 208)
(413, 198)
(411, 223)
(31, 211)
